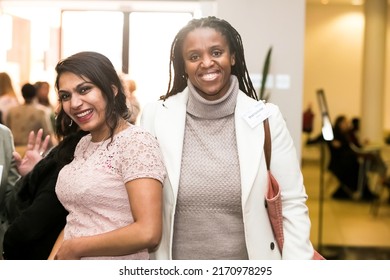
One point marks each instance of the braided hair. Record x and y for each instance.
(178, 82)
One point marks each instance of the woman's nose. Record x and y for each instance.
(76, 101)
(207, 61)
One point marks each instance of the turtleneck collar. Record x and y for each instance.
(216, 109)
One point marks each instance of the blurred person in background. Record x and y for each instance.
(346, 164)
(131, 100)
(42, 97)
(8, 176)
(8, 97)
(25, 118)
(35, 215)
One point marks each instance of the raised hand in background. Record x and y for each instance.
(34, 153)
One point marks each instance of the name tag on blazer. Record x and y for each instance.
(257, 113)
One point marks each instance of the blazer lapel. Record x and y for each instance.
(170, 126)
(249, 145)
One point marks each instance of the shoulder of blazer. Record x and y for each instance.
(243, 99)
(179, 98)
(5, 132)
(174, 100)
(7, 139)
(154, 110)
(244, 102)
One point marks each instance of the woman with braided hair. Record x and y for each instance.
(209, 126)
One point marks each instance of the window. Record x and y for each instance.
(151, 36)
(93, 31)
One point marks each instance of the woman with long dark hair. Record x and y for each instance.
(112, 189)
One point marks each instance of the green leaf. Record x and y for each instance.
(267, 62)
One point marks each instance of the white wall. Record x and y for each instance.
(333, 59)
(280, 24)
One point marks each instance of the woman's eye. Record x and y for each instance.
(64, 96)
(217, 53)
(85, 90)
(194, 57)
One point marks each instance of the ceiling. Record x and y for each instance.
(348, 2)
(336, 2)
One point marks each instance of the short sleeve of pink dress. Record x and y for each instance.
(92, 186)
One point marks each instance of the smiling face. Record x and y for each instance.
(208, 62)
(84, 103)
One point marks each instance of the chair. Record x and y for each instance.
(382, 184)
(382, 188)
(376, 168)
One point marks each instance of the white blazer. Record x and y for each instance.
(166, 121)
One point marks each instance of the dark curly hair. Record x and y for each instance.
(99, 70)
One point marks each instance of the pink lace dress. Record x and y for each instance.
(92, 186)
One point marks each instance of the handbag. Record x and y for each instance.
(274, 199)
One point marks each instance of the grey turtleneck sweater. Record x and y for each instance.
(208, 217)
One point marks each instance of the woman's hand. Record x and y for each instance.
(66, 251)
(35, 149)
(145, 198)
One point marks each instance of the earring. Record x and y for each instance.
(71, 122)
